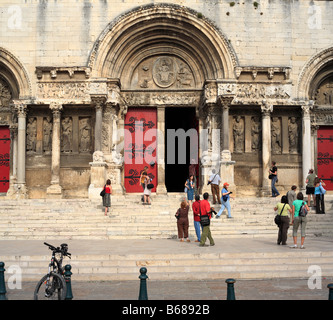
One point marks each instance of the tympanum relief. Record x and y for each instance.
(162, 72)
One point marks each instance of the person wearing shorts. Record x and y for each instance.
(310, 188)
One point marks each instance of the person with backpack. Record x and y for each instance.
(299, 219)
(283, 208)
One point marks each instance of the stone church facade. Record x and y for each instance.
(255, 80)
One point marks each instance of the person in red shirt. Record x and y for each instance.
(196, 217)
(206, 210)
(107, 198)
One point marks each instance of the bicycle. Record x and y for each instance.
(53, 285)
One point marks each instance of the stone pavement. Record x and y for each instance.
(209, 289)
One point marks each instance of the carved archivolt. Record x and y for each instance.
(5, 94)
(120, 49)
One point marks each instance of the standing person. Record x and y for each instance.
(196, 217)
(206, 210)
(225, 199)
(283, 208)
(107, 196)
(291, 195)
(310, 187)
(319, 193)
(143, 175)
(147, 191)
(274, 178)
(182, 221)
(214, 181)
(192, 171)
(189, 184)
(298, 221)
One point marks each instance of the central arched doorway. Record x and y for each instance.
(163, 56)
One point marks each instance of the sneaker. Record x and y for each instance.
(203, 245)
(302, 247)
(217, 217)
(212, 244)
(294, 246)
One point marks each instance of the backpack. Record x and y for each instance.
(303, 211)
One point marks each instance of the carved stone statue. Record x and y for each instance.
(255, 133)
(293, 135)
(85, 135)
(66, 134)
(276, 135)
(47, 134)
(238, 132)
(31, 134)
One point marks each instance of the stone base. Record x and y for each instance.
(161, 189)
(265, 192)
(54, 191)
(17, 191)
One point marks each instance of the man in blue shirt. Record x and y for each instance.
(225, 199)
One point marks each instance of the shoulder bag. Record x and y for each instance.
(277, 218)
(102, 194)
(204, 219)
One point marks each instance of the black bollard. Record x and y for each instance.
(330, 292)
(67, 274)
(230, 289)
(2, 282)
(143, 284)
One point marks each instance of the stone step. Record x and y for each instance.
(245, 265)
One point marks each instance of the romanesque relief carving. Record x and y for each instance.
(47, 135)
(85, 135)
(255, 134)
(63, 90)
(276, 135)
(31, 134)
(293, 134)
(256, 92)
(174, 98)
(162, 72)
(67, 135)
(5, 95)
(324, 94)
(238, 134)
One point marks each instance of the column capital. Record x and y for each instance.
(56, 108)
(266, 109)
(307, 107)
(225, 100)
(20, 108)
(98, 100)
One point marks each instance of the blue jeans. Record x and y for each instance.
(197, 227)
(225, 204)
(274, 190)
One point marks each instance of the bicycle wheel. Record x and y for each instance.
(54, 289)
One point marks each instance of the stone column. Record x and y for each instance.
(266, 149)
(98, 101)
(306, 141)
(227, 165)
(160, 138)
(21, 110)
(55, 190)
(13, 170)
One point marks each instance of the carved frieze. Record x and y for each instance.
(324, 94)
(162, 98)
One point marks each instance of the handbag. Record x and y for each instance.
(322, 190)
(177, 216)
(102, 194)
(204, 220)
(150, 186)
(302, 211)
(277, 218)
(270, 177)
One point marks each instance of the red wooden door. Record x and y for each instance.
(140, 147)
(4, 158)
(325, 155)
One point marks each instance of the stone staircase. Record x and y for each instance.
(143, 235)
(129, 219)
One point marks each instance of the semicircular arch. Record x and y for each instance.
(168, 30)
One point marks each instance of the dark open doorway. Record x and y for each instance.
(177, 161)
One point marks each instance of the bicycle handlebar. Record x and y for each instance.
(62, 250)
